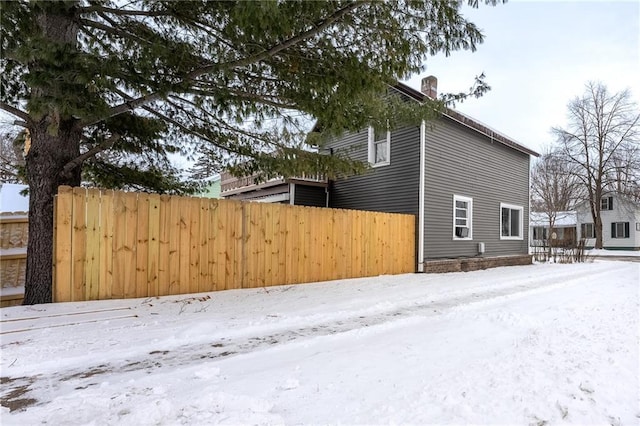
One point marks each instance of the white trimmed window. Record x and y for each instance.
(587, 230)
(606, 203)
(379, 147)
(620, 230)
(462, 218)
(510, 222)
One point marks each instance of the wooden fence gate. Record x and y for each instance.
(113, 244)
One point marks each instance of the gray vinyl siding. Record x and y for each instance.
(314, 196)
(463, 162)
(392, 188)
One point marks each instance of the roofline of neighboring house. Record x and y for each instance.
(621, 195)
(271, 183)
(467, 121)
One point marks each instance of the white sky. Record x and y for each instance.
(537, 56)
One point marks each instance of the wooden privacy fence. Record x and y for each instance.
(111, 244)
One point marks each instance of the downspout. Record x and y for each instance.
(423, 143)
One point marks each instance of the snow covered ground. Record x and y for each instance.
(615, 253)
(540, 344)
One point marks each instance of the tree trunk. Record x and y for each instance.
(55, 140)
(599, 231)
(46, 158)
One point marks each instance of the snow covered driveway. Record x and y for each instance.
(540, 344)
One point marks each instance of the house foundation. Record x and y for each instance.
(475, 263)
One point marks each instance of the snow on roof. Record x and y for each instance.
(11, 200)
(563, 219)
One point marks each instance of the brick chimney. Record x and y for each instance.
(430, 87)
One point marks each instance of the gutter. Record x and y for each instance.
(421, 190)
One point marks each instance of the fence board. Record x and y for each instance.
(106, 244)
(63, 226)
(119, 245)
(92, 265)
(153, 251)
(142, 247)
(164, 247)
(79, 243)
(204, 283)
(235, 280)
(194, 245)
(174, 246)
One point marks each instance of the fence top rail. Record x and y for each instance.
(67, 190)
(14, 217)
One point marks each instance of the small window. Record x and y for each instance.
(587, 230)
(379, 147)
(606, 203)
(638, 226)
(462, 217)
(620, 230)
(510, 222)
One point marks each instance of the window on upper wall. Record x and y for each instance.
(620, 230)
(462, 217)
(587, 230)
(606, 203)
(379, 147)
(510, 222)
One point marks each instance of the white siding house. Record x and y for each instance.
(620, 223)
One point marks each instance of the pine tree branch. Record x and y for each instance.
(126, 106)
(327, 22)
(18, 113)
(130, 105)
(124, 12)
(113, 30)
(106, 144)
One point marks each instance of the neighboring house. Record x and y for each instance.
(467, 185)
(14, 230)
(212, 190)
(620, 223)
(563, 234)
(300, 191)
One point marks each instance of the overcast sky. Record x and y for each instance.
(537, 56)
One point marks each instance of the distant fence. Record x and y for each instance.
(14, 228)
(111, 244)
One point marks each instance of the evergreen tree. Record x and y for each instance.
(111, 88)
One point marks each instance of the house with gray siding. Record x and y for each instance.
(467, 184)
